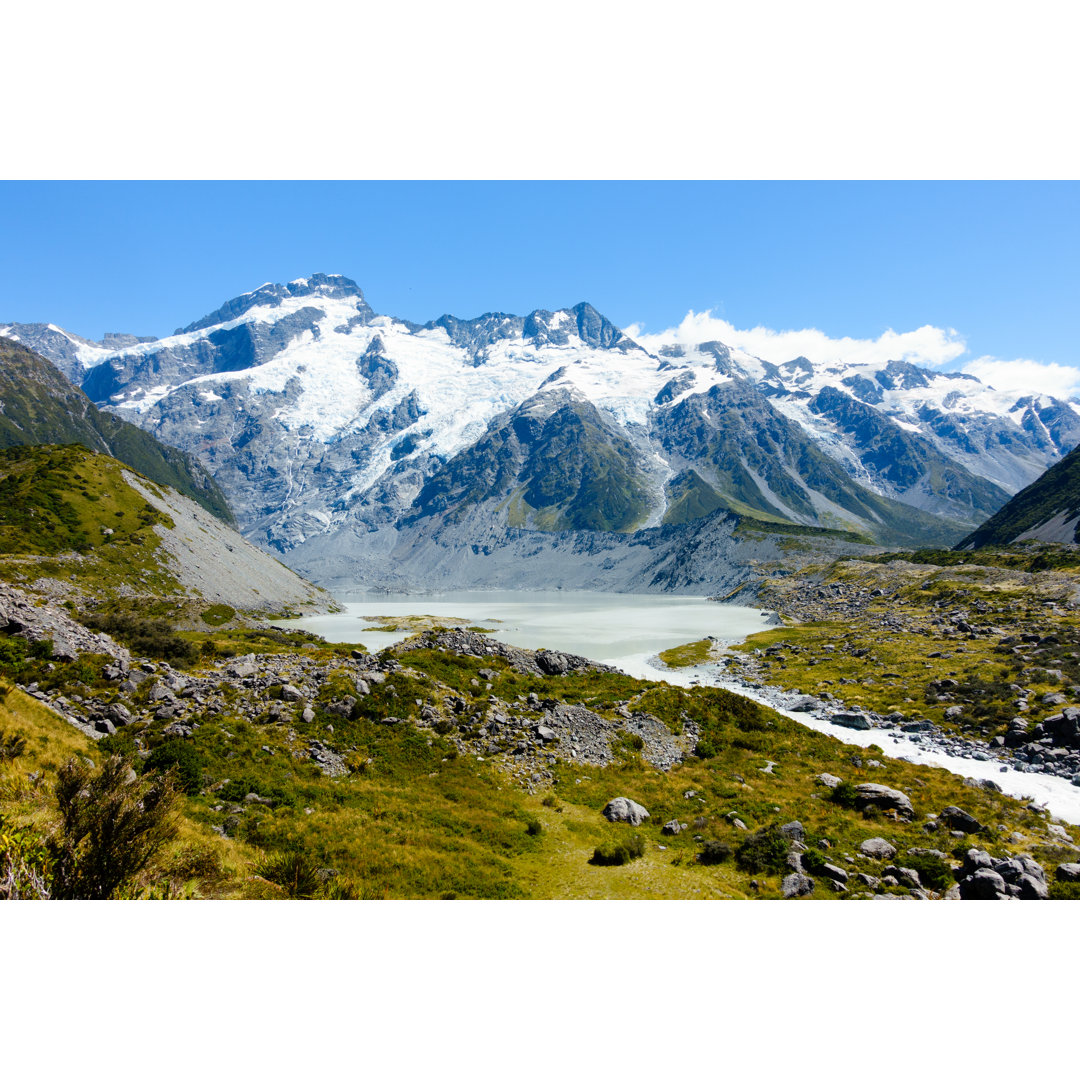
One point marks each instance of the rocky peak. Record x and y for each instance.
(327, 286)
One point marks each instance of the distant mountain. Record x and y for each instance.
(322, 419)
(1048, 509)
(38, 406)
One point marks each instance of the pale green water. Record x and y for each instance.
(614, 628)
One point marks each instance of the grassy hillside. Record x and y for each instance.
(417, 811)
(41, 407)
(1056, 492)
(66, 513)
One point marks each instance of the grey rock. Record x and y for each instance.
(552, 663)
(877, 848)
(671, 828)
(796, 885)
(885, 798)
(959, 819)
(828, 780)
(1068, 872)
(625, 810)
(793, 830)
(854, 720)
(835, 873)
(984, 884)
(976, 859)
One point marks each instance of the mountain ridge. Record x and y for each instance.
(318, 416)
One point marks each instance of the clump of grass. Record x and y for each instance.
(293, 870)
(619, 852)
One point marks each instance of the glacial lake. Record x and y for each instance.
(621, 629)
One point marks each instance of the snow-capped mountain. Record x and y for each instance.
(322, 419)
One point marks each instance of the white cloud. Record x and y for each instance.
(930, 346)
(1026, 376)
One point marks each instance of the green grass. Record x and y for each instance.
(696, 652)
(415, 817)
(67, 513)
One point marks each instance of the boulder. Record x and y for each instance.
(858, 721)
(1024, 877)
(984, 884)
(552, 663)
(877, 848)
(796, 885)
(834, 873)
(828, 780)
(1069, 871)
(956, 818)
(625, 810)
(291, 693)
(885, 798)
(793, 830)
(671, 828)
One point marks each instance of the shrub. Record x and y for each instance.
(934, 872)
(533, 827)
(619, 852)
(1064, 890)
(844, 794)
(112, 825)
(217, 615)
(25, 864)
(714, 852)
(294, 870)
(188, 762)
(813, 861)
(763, 852)
(146, 637)
(705, 749)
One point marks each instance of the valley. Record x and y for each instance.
(572, 619)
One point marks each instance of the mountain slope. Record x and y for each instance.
(38, 406)
(1048, 509)
(97, 531)
(323, 420)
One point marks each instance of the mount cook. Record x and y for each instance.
(551, 449)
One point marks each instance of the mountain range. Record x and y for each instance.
(364, 448)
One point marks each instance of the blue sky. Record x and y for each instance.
(996, 262)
